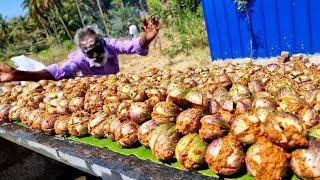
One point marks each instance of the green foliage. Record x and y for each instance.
(68, 45)
(53, 24)
(242, 4)
(55, 53)
(50, 25)
(20, 35)
(6, 61)
(10, 63)
(119, 18)
(155, 7)
(184, 20)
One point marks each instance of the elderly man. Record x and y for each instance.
(96, 55)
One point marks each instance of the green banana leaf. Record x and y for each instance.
(141, 152)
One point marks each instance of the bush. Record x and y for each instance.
(185, 25)
(119, 18)
(54, 54)
(68, 44)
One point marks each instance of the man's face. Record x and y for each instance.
(93, 48)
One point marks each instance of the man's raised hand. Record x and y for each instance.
(150, 30)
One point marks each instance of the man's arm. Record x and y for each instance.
(67, 69)
(53, 72)
(8, 73)
(32, 76)
(139, 45)
(127, 46)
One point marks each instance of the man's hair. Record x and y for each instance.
(89, 30)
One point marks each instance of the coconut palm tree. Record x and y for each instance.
(18, 29)
(37, 12)
(52, 5)
(79, 11)
(4, 30)
(119, 3)
(102, 15)
(3, 26)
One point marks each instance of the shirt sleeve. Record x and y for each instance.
(127, 46)
(66, 70)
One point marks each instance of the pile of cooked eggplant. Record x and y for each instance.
(226, 116)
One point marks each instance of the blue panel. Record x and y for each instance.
(234, 29)
(212, 28)
(314, 16)
(271, 28)
(207, 11)
(220, 16)
(302, 29)
(244, 33)
(277, 25)
(286, 26)
(259, 28)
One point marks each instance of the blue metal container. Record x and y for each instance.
(276, 25)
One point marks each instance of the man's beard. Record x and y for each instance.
(99, 62)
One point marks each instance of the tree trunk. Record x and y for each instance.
(54, 27)
(121, 4)
(79, 12)
(102, 16)
(40, 20)
(62, 22)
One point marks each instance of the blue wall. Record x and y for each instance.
(289, 25)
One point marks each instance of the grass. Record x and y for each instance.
(134, 63)
(9, 62)
(55, 54)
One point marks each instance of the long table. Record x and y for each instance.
(99, 162)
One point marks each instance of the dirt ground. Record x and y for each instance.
(135, 63)
(196, 58)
